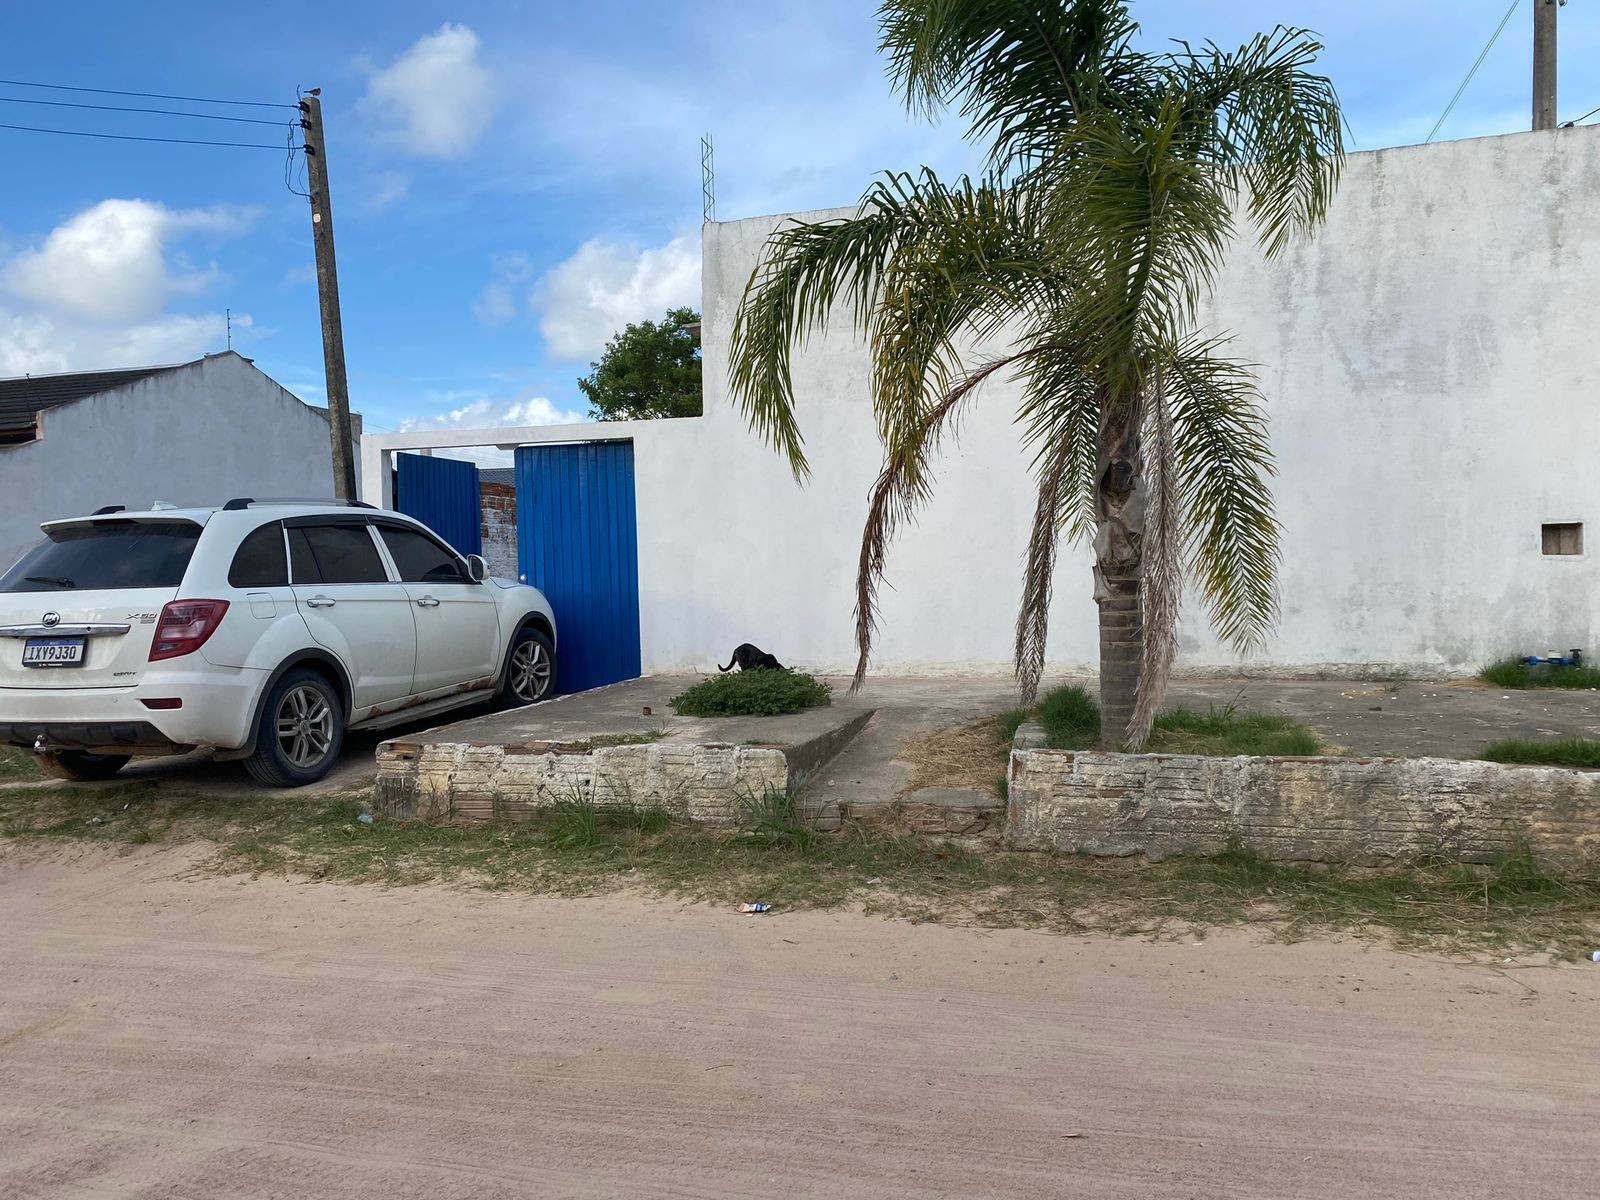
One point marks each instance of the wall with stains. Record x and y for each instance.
(1428, 362)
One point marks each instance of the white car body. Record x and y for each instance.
(396, 650)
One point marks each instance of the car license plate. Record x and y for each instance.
(52, 652)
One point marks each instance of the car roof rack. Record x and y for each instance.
(108, 509)
(239, 502)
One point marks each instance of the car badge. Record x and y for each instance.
(51, 619)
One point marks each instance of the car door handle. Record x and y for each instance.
(321, 602)
(427, 602)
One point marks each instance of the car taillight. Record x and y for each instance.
(184, 627)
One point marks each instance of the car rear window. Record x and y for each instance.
(106, 555)
(259, 562)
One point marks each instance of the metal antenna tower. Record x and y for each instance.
(708, 181)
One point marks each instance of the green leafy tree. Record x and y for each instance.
(651, 369)
(1116, 177)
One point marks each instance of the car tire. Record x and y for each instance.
(300, 733)
(530, 674)
(81, 766)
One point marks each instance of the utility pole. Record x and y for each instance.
(344, 467)
(1544, 63)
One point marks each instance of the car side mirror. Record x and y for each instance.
(477, 568)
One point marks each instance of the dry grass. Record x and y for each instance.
(966, 756)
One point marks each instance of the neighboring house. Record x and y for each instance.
(497, 488)
(191, 434)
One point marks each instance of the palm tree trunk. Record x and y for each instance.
(1118, 562)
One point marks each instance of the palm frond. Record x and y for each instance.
(1223, 460)
(970, 258)
(1018, 72)
(807, 267)
(1269, 125)
(1152, 222)
(898, 490)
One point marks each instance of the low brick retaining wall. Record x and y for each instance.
(455, 781)
(1370, 812)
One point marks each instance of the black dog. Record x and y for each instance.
(751, 658)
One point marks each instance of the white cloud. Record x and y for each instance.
(583, 301)
(501, 298)
(435, 100)
(109, 262)
(384, 188)
(489, 412)
(94, 291)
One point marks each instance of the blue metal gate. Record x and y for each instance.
(577, 542)
(443, 494)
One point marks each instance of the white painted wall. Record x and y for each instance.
(197, 435)
(1428, 361)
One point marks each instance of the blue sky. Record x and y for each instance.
(513, 181)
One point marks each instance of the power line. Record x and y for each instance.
(61, 87)
(164, 112)
(128, 137)
(1575, 120)
(1495, 37)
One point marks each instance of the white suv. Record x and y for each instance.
(261, 631)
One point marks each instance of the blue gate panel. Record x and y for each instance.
(443, 494)
(577, 542)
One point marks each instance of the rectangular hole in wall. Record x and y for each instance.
(1562, 537)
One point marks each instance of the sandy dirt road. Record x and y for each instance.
(169, 1033)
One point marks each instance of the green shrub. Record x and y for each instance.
(1556, 752)
(752, 694)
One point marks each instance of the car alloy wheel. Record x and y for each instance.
(305, 726)
(530, 671)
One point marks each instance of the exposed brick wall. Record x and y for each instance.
(458, 781)
(500, 528)
(1360, 811)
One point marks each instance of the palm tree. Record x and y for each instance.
(1115, 179)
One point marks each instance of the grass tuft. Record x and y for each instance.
(17, 765)
(1071, 721)
(775, 819)
(1558, 752)
(1513, 673)
(1223, 732)
(753, 694)
(1070, 717)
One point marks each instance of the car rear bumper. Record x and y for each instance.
(101, 737)
(218, 708)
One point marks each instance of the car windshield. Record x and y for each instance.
(107, 554)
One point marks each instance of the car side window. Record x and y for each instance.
(419, 558)
(302, 564)
(259, 562)
(344, 553)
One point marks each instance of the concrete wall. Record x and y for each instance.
(1367, 812)
(1428, 365)
(198, 435)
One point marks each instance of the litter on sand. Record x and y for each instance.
(752, 909)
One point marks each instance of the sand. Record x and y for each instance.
(169, 1032)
